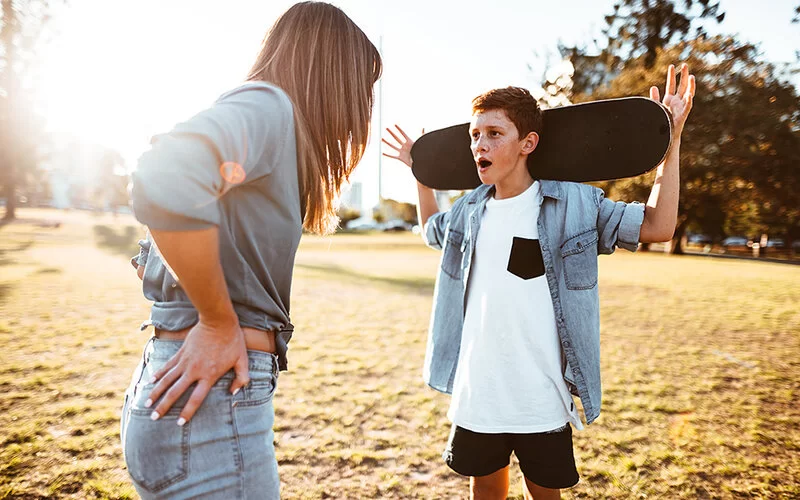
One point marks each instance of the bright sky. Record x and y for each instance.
(120, 72)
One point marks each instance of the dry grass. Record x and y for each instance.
(701, 366)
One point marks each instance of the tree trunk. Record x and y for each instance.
(7, 145)
(677, 239)
(10, 197)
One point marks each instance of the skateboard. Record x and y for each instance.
(594, 141)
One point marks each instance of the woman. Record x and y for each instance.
(226, 196)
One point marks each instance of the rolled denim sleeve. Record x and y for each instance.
(618, 224)
(435, 229)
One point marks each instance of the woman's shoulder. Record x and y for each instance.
(258, 93)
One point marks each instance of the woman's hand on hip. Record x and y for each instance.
(209, 351)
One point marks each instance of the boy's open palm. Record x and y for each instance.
(402, 145)
(677, 99)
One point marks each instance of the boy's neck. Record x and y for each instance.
(514, 184)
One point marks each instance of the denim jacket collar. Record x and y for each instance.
(550, 189)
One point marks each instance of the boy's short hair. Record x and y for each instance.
(518, 104)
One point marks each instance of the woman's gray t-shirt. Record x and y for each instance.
(233, 166)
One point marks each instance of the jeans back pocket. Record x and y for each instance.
(156, 452)
(259, 391)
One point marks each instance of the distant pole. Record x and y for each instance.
(380, 128)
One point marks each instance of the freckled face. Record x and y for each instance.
(496, 146)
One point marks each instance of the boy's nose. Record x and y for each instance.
(480, 145)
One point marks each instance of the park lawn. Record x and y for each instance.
(700, 360)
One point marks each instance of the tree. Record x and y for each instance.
(636, 29)
(22, 23)
(739, 165)
(399, 210)
(740, 153)
(796, 19)
(347, 214)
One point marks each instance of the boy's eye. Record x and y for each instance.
(475, 136)
(494, 133)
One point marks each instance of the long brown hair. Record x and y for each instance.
(327, 66)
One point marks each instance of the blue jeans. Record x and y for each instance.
(225, 451)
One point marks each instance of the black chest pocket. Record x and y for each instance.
(526, 260)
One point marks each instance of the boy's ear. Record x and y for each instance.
(529, 143)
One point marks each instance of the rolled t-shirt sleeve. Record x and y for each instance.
(140, 259)
(179, 181)
(618, 224)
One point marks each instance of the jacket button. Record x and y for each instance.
(579, 244)
(566, 343)
(174, 285)
(575, 371)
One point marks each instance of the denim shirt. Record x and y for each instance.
(576, 223)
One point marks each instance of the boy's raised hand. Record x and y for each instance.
(402, 145)
(677, 99)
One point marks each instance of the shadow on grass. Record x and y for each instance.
(421, 286)
(121, 240)
(5, 289)
(5, 253)
(49, 270)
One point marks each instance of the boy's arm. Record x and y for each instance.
(427, 207)
(661, 212)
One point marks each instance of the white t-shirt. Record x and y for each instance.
(510, 375)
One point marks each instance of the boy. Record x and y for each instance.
(515, 324)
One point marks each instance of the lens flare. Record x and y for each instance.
(232, 172)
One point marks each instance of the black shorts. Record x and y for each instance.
(546, 458)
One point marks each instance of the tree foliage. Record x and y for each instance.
(740, 150)
(634, 30)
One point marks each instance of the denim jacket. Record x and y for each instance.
(576, 223)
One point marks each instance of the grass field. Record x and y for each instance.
(701, 367)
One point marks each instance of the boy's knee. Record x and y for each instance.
(491, 487)
(535, 492)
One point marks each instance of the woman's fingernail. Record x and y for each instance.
(154, 415)
(181, 421)
(148, 403)
(236, 391)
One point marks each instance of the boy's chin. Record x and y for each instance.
(486, 177)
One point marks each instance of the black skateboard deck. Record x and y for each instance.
(594, 141)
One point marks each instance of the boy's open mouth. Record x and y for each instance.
(483, 164)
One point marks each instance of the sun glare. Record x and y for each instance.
(105, 80)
